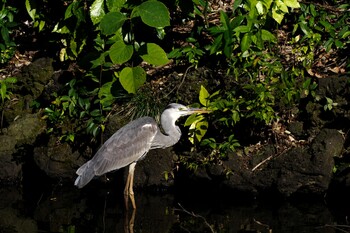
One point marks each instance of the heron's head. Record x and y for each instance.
(174, 111)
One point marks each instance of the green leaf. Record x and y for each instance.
(115, 5)
(5, 34)
(30, 11)
(267, 36)
(203, 96)
(132, 78)
(245, 43)
(96, 11)
(345, 35)
(3, 90)
(111, 22)
(242, 29)
(198, 127)
(153, 54)
(10, 80)
(236, 4)
(305, 28)
(216, 44)
(191, 119)
(292, 3)
(95, 113)
(153, 13)
(41, 25)
(259, 7)
(120, 52)
(281, 6)
(277, 15)
(201, 129)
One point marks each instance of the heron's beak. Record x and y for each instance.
(196, 110)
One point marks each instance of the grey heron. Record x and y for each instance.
(131, 143)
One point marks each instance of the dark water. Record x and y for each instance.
(101, 209)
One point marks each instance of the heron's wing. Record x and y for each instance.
(127, 145)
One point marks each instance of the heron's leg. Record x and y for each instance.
(131, 184)
(128, 191)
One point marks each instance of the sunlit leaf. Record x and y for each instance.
(281, 6)
(120, 52)
(259, 7)
(277, 15)
(153, 13)
(197, 129)
(203, 96)
(111, 22)
(30, 10)
(96, 11)
(132, 78)
(153, 54)
(292, 3)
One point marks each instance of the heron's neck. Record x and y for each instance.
(171, 135)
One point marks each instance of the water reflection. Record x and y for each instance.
(67, 209)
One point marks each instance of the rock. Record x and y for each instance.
(58, 161)
(26, 128)
(304, 170)
(10, 171)
(299, 170)
(19, 134)
(30, 85)
(151, 171)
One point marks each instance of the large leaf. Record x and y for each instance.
(96, 11)
(153, 13)
(120, 52)
(153, 54)
(111, 22)
(132, 78)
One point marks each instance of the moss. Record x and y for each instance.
(26, 129)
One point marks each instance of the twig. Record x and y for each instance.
(196, 216)
(262, 162)
(182, 81)
(268, 159)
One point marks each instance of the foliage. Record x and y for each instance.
(5, 94)
(116, 43)
(331, 28)
(7, 23)
(265, 49)
(261, 82)
(117, 50)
